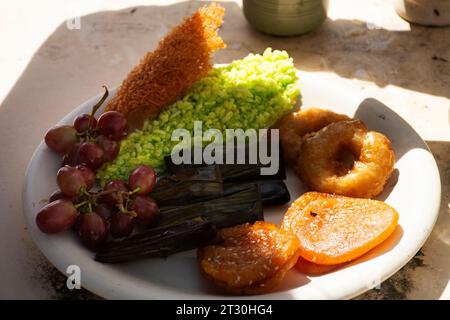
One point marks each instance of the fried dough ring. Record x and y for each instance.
(252, 259)
(319, 166)
(294, 126)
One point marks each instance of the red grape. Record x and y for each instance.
(104, 210)
(119, 185)
(91, 155)
(144, 178)
(58, 194)
(57, 216)
(110, 147)
(72, 157)
(81, 123)
(61, 138)
(93, 231)
(121, 224)
(146, 209)
(70, 180)
(113, 124)
(88, 174)
(116, 185)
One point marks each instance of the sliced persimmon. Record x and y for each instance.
(313, 269)
(335, 229)
(252, 259)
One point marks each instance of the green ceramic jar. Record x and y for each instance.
(285, 17)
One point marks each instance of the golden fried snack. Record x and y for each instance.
(252, 259)
(335, 229)
(321, 166)
(181, 58)
(294, 126)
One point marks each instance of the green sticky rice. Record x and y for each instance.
(253, 92)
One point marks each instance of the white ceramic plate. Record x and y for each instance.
(414, 191)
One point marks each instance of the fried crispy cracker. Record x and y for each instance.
(164, 75)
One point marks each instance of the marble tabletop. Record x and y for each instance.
(51, 62)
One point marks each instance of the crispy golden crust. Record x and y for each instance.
(181, 58)
(294, 126)
(253, 259)
(319, 166)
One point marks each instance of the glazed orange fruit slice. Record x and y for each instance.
(252, 259)
(335, 229)
(313, 269)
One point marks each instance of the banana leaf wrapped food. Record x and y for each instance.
(234, 172)
(160, 242)
(182, 192)
(239, 207)
(189, 185)
(186, 227)
(210, 173)
(272, 191)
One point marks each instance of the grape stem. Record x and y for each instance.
(92, 197)
(84, 191)
(132, 214)
(94, 110)
(98, 104)
(81, 204)
(129, 194)
(122, 208)
(135, 190)
(102, 193)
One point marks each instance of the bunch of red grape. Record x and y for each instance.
(112, 211)
(85, 146)
(88, 141)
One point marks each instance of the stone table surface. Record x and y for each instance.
(48, 68)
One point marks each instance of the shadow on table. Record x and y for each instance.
(429, 268)
(416, 272)
(71, 65)
(355, 49)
